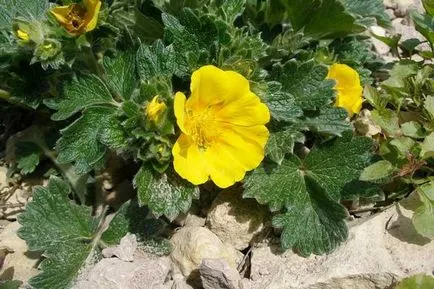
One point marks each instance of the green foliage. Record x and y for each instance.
(15, 284)
(165, 194)
(69, 237)
(420, 281)
(309, 190)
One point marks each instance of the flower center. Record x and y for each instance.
(202, 128)
(76, 16)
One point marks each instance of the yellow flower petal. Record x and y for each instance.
(223, 128)
(179, 106)
(93, 7)
(188, 161)
(258, 111)
(61, 13)
(348, 88)
(212, 86)
(155, 109)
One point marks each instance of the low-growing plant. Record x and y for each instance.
(403, 107)
(190, 95)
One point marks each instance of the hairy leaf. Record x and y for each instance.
(166, 194)
(121, 74)
(321, 19)
(83, 141)
(155, 60)
(419, 281)
(27, 156)
(331, 120)
(282, 142)
(62, 231)
(86, 91)
(306, 82)
(309, 190)
(11, 9)
(281, 104)
(368, 8)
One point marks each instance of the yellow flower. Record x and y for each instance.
(22, 35)
(78, 18)
(155, 109)
(348, 88)
(223, 131)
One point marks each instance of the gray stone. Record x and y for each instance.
(143, 273)
(125, 250)
(217, 274)
(380, 47)
(190, 245)
(380, 251)
(235, 220)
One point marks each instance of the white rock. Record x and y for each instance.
(380, 47)
(235, 220)
(125, 250)
(190, 245)
(113, 273)
(217, 274)
(379, 252)
(21, 264)
(181, 284)
(365, 125)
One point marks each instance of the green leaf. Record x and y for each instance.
(331, 120)
(62, 231)
(306, 82)
(403, 145)
(29, 10)
(121, 74)
(309, 190)
(368, 8)
(377, 171)
(281, 104)
(10, 284)
(134, 219)
(282, 142)
(413, 129)
(387, 119)
(424, 23)
(429, 105)
(429, 6)
(83, 141)
(79, 94)
(166, 194)
(420, 281)
(321, 19)
(428, 146)
(27, 155)
(399, 74)
(232, 8)
(155, 60)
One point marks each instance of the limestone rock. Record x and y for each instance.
(365, 125)
(180, 284)
(380, 47)
(235, 220)
(125, 250)
(143, 273)
(190, 245)
(216, 274)
(379, 252)
(189, 220)
(19, 264)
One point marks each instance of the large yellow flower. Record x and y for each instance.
(78, 18)
(348, 88)
(222, 124)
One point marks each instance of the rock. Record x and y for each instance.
(235, 220)
(365, 125)
(143, 273)
(125, 250)
(380, 47)
(19, 264)
(190, 245)
(217, 274)
(16, 204)
(379, 252)
(189, 220)
(181, 284)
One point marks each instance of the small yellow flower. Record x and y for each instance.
(22, 35)
(78, 18)
(155, 109)
(348, 88)
(223, 131)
